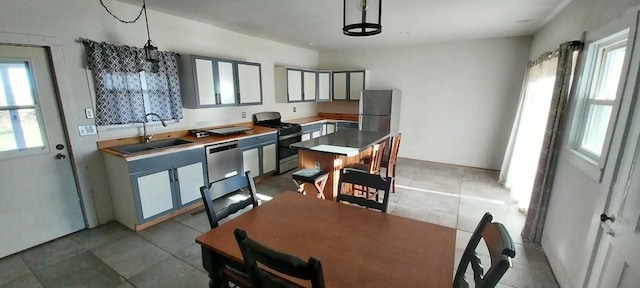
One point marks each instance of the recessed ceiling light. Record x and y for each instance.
(404, 33)
(309, 43)
(524, 21)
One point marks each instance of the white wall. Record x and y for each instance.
(62, 22)
(458, 99)
(576, 199)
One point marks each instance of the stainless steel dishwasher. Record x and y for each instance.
(223, 160)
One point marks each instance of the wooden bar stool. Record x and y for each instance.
(316, 177)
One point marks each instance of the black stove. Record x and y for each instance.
(288, 133)
(272, 120)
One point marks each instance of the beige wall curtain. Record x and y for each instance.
(519, 169)
(531, 158)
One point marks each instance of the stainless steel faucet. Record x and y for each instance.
(146, 137)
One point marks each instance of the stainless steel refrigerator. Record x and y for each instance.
(380, 111)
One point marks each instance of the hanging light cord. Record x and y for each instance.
(143, 8)
(146, 19)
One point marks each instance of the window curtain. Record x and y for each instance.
(532, 154)
(527, 133)
(537, 213)
(128, 87)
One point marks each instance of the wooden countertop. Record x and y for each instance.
(105, 146)
(184, 134)
(324, 116)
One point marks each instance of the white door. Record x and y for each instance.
(38, 196)
(617, 262)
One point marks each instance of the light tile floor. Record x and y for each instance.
(166, 255)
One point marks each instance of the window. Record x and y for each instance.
(603, 67)
(128, 87)
(21, 126)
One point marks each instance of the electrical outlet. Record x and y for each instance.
(294, 108)
(88, 113)
(86, 130)
(316, 164)
(244, 114)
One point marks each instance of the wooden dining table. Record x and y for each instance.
(357, 247)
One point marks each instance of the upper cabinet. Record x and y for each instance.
(348, 84)
(324, 86)
(304, 85)
(212, 82)
(295, 85)
(249, 83)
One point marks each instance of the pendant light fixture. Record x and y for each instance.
(150, 51)
(362, 17)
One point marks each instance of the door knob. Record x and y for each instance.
(604, 218)
(60, 156)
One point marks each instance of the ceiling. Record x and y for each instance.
(317, 24)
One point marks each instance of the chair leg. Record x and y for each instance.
(300, 187)
(393, 179)
(320, 183)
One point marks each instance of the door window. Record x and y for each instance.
(21, 127)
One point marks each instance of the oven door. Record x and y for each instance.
(287, 156)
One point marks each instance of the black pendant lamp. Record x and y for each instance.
(362, 17)
(150, 51)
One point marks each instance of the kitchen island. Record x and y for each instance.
(335, 151)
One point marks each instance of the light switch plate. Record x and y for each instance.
(88, 113)
(294, 108)
(86, 130)
(244, 114)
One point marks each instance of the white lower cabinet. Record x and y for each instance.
(146, 189)
(155, 193)
(189, 182)
(251, 160)
(269, 159)
(259, 153)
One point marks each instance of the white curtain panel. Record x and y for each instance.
(521, 160)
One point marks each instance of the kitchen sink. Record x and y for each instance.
(135, 148)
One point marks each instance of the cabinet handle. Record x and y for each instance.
(175, 175)
(171, 175)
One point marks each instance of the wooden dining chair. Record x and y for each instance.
(225, 186)
(232, 272)
(371, 182)
(254, 253)
(501, 251)
(389, 164)
(372, 167)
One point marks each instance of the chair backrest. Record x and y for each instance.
(254, 253)
(373, 181)
(228, 185)
(501, 250)
(377, 151)
(395, 147)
